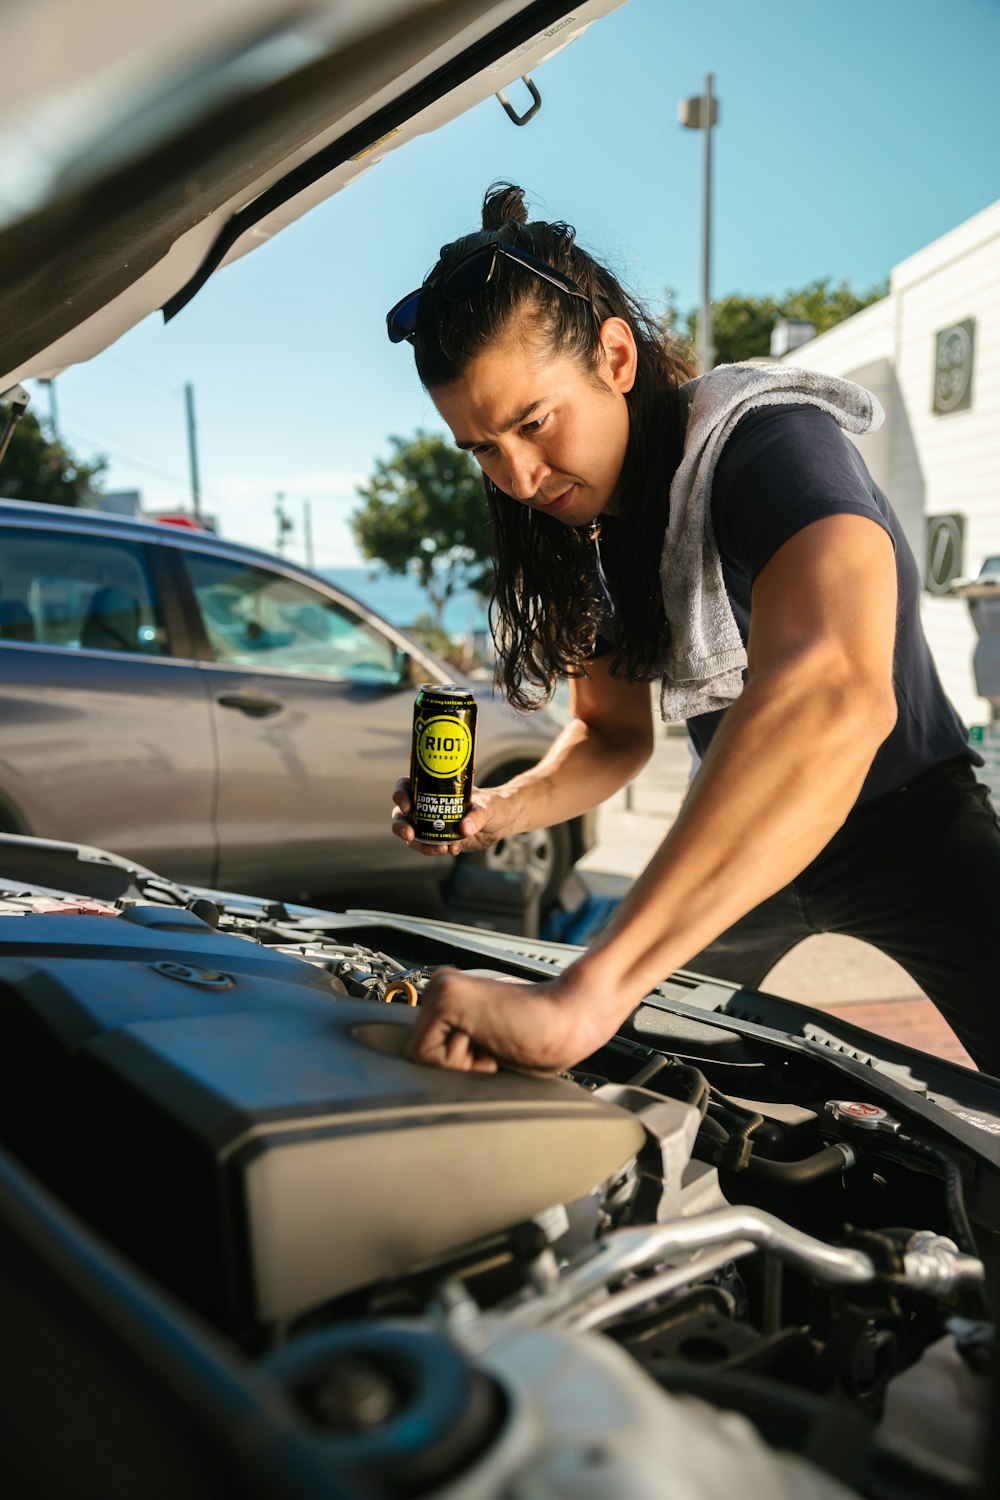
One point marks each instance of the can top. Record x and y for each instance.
(449, 691)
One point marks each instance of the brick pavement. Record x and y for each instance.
(911, 1020)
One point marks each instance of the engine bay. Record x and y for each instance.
(709, 1208)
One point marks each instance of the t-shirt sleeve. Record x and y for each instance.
(782, 468)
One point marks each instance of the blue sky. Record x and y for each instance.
(850, 137)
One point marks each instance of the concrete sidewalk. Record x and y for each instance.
(836, 974)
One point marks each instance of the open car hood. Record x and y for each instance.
(248, 1247)
(142, 147)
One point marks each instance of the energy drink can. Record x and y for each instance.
(442, 760)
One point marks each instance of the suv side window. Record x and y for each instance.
(256, 618)
(81, 592)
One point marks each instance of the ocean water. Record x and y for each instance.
(402, 600)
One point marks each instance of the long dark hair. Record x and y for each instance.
(546, 607)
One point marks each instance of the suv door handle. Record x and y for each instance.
(256, 705)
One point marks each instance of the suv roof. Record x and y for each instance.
(61, 517)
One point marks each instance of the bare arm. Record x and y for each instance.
(782, 773)
(607, 740)
(789, 759)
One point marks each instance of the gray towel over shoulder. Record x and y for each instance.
(704, 668)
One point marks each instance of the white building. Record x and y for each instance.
(930, 351)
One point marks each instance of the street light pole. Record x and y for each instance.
(192, 449)
(701, 113)
(706, 350)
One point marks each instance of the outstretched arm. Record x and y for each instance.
(782, 773)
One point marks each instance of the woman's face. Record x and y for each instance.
(547, 432)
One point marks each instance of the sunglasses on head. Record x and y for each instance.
(468, 275)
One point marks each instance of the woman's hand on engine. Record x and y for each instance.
(476, 1024)
(489, 819)
(473, 1024)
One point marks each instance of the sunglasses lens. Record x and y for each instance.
(403, 319)
(471, 274)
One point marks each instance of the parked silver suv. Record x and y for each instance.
(218, 713)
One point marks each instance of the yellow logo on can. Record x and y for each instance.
(444, 747)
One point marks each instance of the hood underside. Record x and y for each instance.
(141, 151)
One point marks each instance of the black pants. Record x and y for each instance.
(915, 873)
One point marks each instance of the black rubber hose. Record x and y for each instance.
(697, 1088)
(648, 1071)
(736, 1124)
(954, 1193)
(750, 1119)
(698, 1092)
(826, 1163)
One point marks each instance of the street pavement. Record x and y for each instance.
(838, 975)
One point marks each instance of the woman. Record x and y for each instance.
(723, 535)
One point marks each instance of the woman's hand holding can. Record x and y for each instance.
(486, 822)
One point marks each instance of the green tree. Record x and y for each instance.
(424, 514)
(742, 326)
(39, 467)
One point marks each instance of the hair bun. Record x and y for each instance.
(504, 204)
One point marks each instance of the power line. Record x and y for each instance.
(163, 385)
(136, 463)
(175, 480)
(125, 458)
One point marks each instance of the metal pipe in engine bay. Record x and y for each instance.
(929, 1267)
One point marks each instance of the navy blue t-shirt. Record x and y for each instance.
(782, 468)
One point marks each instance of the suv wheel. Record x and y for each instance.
(545, 852)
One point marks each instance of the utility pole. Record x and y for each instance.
(50, 384)
(307, 529)
(284, 520)
(701, 113)
(192, 450)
